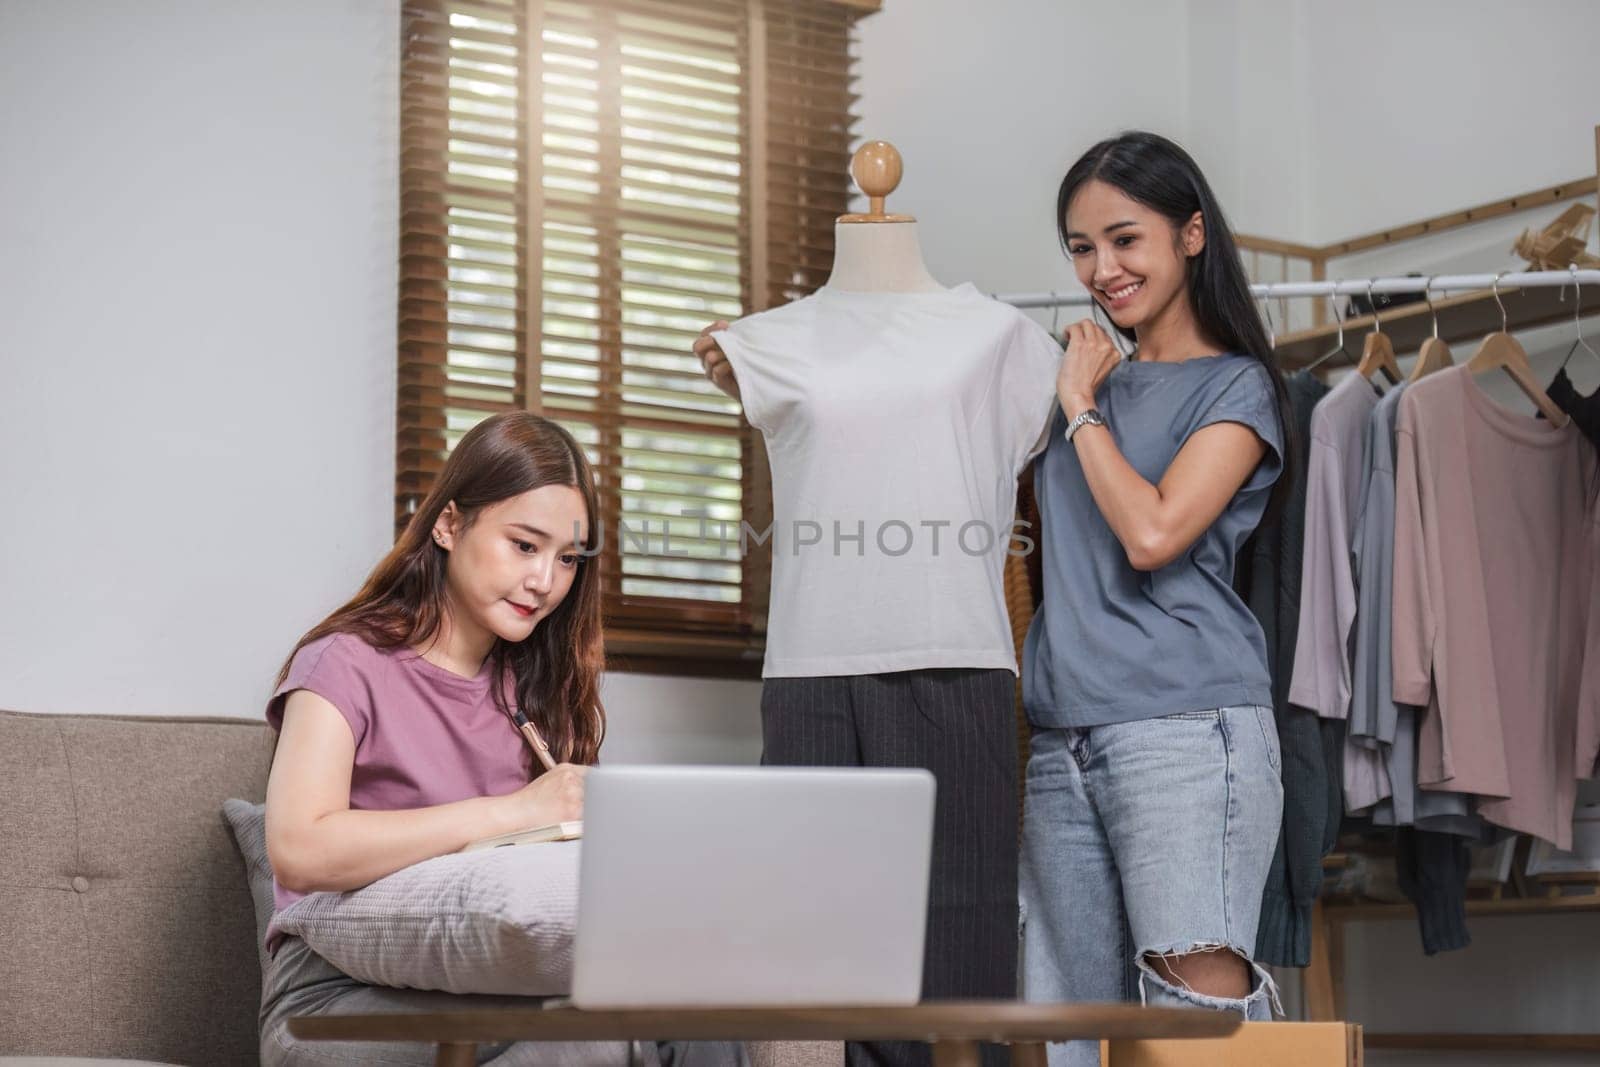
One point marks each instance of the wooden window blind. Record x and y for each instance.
(584, 185)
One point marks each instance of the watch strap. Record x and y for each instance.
(1087, 417)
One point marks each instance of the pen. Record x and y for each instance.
(537, 743)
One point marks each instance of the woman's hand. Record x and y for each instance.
(555, 796)
(1089, 358)
(715, 361)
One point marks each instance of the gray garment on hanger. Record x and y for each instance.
(1380, 771)
(1426, 809)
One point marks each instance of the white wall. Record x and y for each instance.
(989, 105)
(1319, 121)
(197, 334)
(1249, 77)
(1443, 103)
(651, 719)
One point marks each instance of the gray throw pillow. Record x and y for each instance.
(495, 921)
(249, 825)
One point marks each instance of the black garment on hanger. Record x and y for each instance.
(1432, 871)
(1268, 577)
(1585, 410)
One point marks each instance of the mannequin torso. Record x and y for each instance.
(879, 257)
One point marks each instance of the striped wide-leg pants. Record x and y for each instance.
(960, 724)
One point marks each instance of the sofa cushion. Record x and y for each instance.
(72, 1061)
(500, 921)
(123, 906)
(496, 921)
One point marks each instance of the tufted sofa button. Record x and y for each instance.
(80, 884)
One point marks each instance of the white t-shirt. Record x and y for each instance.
(896, 426)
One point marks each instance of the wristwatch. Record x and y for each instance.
(1089, 417)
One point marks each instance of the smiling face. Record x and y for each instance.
(1129, 256)
(512, 566)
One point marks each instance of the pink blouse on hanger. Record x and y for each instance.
(1496, 549)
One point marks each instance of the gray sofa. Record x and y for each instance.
(126, 927)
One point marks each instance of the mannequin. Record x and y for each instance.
(907, 659)
(878, 252)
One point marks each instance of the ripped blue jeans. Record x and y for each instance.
(1146, 839)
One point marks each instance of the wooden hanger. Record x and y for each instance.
(1501, 351)
(1435, 354)
(1377, 354)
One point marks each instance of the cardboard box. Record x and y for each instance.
(1253, 1045)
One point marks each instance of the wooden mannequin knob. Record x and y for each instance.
(877, 169)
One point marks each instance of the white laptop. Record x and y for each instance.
(743, 887)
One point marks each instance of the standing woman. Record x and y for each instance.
(1153, 791)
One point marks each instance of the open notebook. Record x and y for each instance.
(561, 831)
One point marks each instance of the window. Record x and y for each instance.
(584, 185)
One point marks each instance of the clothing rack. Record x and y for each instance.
(1484, 303)
(1442, 283)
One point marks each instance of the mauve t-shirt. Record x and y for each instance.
(1495, 542)
(424, 735)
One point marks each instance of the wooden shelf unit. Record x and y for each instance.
(1324, 979)
(1462, 316)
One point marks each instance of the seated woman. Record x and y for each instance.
(455, 697)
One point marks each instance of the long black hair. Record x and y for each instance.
(1159, 174)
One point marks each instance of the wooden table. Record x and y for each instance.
(953, 1028)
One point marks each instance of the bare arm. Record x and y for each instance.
(316, 842)
(1155, 523)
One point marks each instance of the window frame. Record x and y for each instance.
(794, 176)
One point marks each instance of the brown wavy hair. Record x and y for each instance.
(557, 668)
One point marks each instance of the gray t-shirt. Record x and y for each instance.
(1380, 769)
(1112, 644)
(1374, 719)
